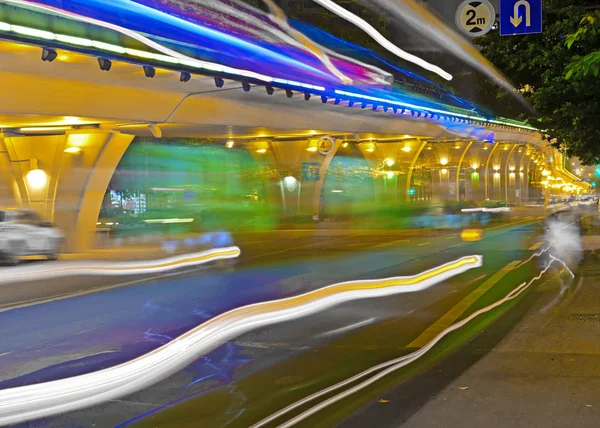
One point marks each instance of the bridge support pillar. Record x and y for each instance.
(63, 177)
(298, 172)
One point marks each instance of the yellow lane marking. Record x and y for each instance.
(312, 244)
(33, 257)
(507, 224)
(386, 244)
(424, 243)
(451, 316)
(313, 296)
(536, 246)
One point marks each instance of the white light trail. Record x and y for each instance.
(105, 268)
(181, 58)
(280, 19)
(411, 13)
(538, 254)
(383, 76)
(486, 210)
(347, 328)
(368, 28)
(389, 366)
(50, 398)
(169, 220)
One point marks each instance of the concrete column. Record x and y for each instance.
(411, 169)
(474, 166)
(458, 173)
(299, 170)
(520, 176)
(524, 178)
(393, 164)
(510, 176)
(443, 172)
(375, 154)
(535, 175)
(488, 175)
(64, 178)
(499, 171)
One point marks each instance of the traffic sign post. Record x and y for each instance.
(475, 18)
(520, 17)
(326, 145)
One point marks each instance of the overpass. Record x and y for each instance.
(79, 89)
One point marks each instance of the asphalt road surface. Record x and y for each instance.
(55, 337)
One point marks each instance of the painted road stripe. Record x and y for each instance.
(450, 318)
(347, 328)
(423, 244)
(388, 366)
(536, 246)
(387, 244)
(508, 224)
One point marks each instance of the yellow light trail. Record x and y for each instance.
(50, 398)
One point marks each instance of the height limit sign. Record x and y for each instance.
(475, 18)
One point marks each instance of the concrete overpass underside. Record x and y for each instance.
(66, 125)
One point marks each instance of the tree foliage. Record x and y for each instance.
(556, 72)
(582, 66)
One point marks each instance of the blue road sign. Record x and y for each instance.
(520, 17)
(310, 171)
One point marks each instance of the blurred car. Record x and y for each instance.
(462, 215)
(24, 233)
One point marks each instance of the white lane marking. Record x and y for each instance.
(146, 41)
(424, 243)
(50, 398)
(34, 302)
(103, 268)
(389, 366)
(536, 246)
(347, 328)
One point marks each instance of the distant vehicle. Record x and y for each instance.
(24, 233)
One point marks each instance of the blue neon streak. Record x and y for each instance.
(336, 43)
(195, 382)
(147, 20)
(148, 335)
(418, 77)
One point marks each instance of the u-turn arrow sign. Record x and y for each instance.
(520, 17)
